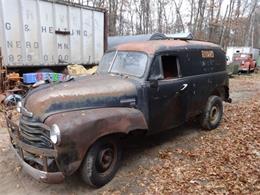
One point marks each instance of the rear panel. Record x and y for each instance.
(204, 68)
(199, 61)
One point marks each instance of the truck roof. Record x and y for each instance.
(151, 47)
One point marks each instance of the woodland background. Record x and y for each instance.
(225, 22)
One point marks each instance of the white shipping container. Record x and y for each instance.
(44, 33)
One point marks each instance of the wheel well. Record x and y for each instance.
(121, 135)
(117, 135)
(222, 92)
(215, 92)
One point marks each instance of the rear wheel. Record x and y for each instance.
(212, 115)
(101, 162)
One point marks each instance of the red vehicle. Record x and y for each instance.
(246, 62)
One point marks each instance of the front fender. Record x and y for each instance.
(80, 129)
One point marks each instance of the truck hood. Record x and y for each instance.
(82, 93)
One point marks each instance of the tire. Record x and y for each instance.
(101, 162)
(212, 114)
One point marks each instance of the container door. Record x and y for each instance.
(62, 31)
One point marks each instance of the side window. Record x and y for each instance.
(170, 66)
(155, 70)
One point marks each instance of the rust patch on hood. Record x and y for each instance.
(97, 90)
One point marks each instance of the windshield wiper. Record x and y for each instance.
(112, 62)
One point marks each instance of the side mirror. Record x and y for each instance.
(154, 83)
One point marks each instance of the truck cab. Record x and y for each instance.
(146, 87)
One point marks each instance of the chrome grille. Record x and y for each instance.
(35, 133)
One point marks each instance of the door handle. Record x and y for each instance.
(184, 86)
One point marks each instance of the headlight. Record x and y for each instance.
(55, 134)
(19, 106)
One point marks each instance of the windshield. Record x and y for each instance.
(123, 62)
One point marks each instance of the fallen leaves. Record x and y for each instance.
(222, 161)
(227, 160)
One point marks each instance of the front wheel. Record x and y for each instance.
(101, 162)
(212, 114)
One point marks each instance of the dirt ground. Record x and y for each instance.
(184, 160)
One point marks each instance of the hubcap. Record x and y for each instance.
(105, 159)
(214, 114)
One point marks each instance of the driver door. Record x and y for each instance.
(167, 94)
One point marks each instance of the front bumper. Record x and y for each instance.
(46, 177)
(243, 69)
(21, 149)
